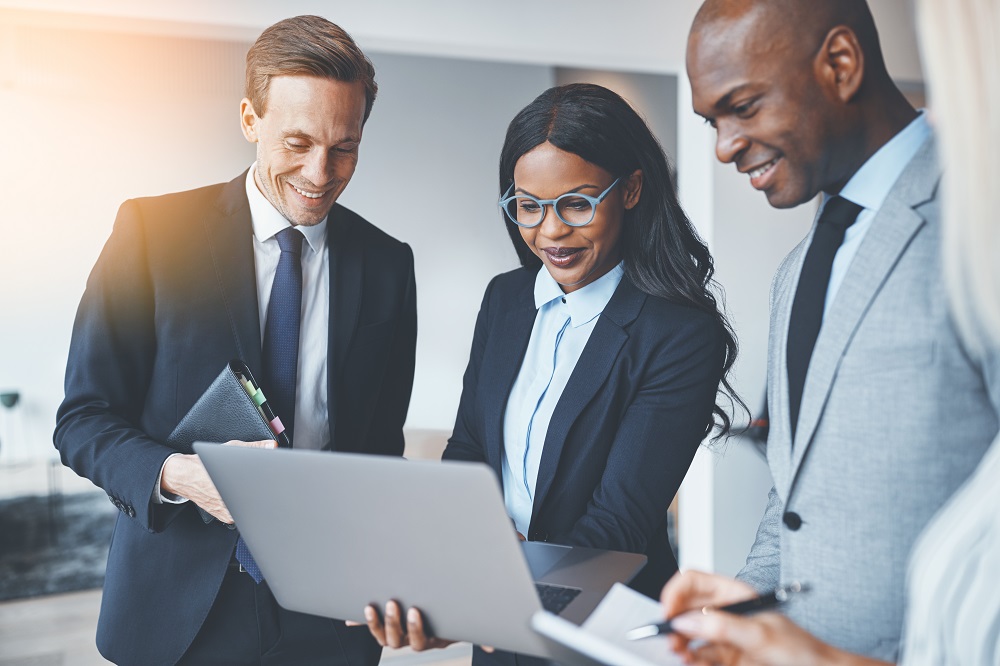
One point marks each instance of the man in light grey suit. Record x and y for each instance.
(877, 413)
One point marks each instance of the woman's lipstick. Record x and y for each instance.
(562, 257)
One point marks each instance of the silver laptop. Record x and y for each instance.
(333, 532)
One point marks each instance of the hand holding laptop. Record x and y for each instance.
(478, 561)
(185, 476)
(391, 633)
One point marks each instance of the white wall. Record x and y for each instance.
(96, 117)
(642, 35)
(428, 175)
(90, 119)
(639, 35)
(653, 96)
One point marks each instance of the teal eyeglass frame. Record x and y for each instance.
(507, 198)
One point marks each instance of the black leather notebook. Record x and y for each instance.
(224, 412)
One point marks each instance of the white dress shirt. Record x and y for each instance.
(561, 330)
(312, 426)
(868, 188)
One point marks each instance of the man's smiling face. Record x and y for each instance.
(773, 119)
(307, 143)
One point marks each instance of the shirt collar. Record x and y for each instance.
(267, 221)
(585, 303)
(870, 185)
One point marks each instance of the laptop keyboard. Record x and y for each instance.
(556, 597)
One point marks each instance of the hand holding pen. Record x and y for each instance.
(724, 638)
(754, 604)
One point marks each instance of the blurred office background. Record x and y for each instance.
(112, 99)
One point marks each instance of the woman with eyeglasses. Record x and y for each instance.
(595, 367)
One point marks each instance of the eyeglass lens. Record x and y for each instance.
(572, 210)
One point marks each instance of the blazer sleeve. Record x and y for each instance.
(108, 374)
(655, 442)
(466, 441)
(386, 433)
(763, 566)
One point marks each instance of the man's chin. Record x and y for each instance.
(310, 222)
(309, 218)
(782, 199)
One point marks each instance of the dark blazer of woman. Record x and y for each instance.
(625, 429)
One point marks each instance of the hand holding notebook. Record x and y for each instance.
(232, 409)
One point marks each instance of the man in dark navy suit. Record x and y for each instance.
(267, 268)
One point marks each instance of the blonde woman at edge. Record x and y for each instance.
(953, 603)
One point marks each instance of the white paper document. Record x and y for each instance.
(601, 639)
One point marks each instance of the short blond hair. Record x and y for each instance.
(309, 45)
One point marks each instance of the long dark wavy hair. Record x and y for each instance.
(663, 254)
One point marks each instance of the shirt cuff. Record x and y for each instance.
(161, 496)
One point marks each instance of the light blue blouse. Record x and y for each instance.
(562, 327)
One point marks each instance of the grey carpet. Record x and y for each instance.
(47, 548)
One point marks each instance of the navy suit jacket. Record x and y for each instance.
(625, 430)
(170, 301)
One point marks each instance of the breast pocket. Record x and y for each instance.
(373, 336)
(902, 359)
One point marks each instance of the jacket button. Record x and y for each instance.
(792, 520)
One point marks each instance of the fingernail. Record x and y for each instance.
(689, 623)
(390, 610)
(369, 613)
(411, 616)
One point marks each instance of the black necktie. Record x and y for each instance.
(280, 353)
(810, 296)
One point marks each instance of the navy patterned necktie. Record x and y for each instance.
(280, 353)
(810, 296)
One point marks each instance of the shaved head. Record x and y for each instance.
(804, 23)
(796, 89)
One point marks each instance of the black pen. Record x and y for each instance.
(765, 601)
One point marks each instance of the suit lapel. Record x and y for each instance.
(513, 331)
(894, 226)
(779, 444)
(230, 240)
(590, 373)
(346, 257)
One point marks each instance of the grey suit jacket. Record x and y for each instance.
(895, 416)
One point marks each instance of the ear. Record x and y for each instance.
(840, 64)
(633, 188)
(248, 121)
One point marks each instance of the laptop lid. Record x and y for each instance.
(333, 532)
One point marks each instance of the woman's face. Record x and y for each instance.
(574, 256)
